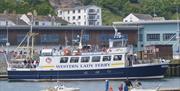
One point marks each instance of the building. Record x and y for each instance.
(23, 19)
(157, 51)
(132, 17)
(164, 32)
(55, 36)
(82, 15)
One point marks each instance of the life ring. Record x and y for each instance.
(48, 60)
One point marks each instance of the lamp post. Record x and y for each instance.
(7, 36)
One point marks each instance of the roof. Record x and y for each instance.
(148, 22)
(74, 28)
(15, 18)
(50, 18)
(12, 17)
(143, 16)
(80, 7)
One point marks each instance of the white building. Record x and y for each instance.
(132, 17)
(23, 19)
(137, 17)
(82, 15)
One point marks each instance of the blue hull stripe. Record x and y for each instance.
(144, 71)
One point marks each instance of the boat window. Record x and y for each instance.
(96, 59)
(74, 59)
(64, 60)
(106, 58)
(85, 59)
(117, 57)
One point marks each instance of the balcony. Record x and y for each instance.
(93, 17)
(92, 11)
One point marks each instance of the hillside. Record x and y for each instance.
(112, 10)
(42, 7)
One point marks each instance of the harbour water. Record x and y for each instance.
(173, 82)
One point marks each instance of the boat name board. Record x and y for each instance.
(84, 65)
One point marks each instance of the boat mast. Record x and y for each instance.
(80, 41)
(31, 35)
(178, 34)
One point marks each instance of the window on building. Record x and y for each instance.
(85, 59)
(74, 17)
(153, 37)
(68, 18)
(91, 10)
(3, 38)
(97, 23)
(85, 38)
(98, 17)
(98, 10)
(92, 22)
(49, 38)
(105, 37)
(79, 17)
(140, 37)
(96, 59)
(36, 23)
(20, 37)
(74, 59)
(169, 36)
(68, 11)
(92, 16)
(79, 11)
(73, 11)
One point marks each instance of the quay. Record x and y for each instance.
(3, 76)
(169, 89)
(174, 69)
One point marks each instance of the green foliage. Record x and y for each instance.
(108, 17)
(112, 10)
(121, 8)
(23, 6)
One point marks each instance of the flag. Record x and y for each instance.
(25, 19)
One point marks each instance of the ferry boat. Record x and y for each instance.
(115, 62)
